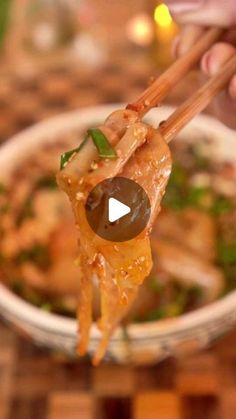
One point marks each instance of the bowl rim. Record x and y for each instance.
(46, 131)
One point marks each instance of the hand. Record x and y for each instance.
(193, 15)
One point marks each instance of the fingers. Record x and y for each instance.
(224, 108)
(224, 105)
(215, 58)
(204, 12)
(195, 14)
(187, 37)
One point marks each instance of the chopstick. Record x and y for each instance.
(197, 102)
(155, 93)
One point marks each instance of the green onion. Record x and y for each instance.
(17, 285)
(65, 157)
(155, 314)
(154, 285)
(48, 182)
(103, 146)
(222, 205)
(199, 197)
(37, 254)
(178, 176)
(27, 211)
(226, 252)
(47, 306)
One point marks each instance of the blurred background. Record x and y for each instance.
(59, 55)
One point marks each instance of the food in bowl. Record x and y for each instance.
(162, 295)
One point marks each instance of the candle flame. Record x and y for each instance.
(162, 15)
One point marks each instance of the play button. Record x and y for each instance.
(118, 209)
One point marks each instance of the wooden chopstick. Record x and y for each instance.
(155, 93)
(197, 102)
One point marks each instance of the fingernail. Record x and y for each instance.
(183, 6)
(205, 62)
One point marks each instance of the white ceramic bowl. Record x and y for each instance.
(146, 343)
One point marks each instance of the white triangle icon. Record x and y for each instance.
(116, 210)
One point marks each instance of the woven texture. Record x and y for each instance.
(35, 384)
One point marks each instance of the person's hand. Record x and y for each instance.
(194, 16)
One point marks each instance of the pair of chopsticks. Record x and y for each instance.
(154, 94)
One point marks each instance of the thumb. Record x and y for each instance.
(204, 12)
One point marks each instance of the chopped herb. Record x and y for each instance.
(230, 275)
(17, 285)
(65, 157)
(196, 292)
(27, 211)
(33, 297)
(48, 182)
(198, 197)
(175, 197)
(200, 161)
(59, 307)
(154, 285)
(155, 314)
(175, 309)
(46, 307)
(226, 252)
(37, 254)
(221, 205)
(178, 176)
(103, 146)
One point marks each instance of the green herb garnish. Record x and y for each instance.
(154, 285)
(48, 182)
(155, 314)
(65, 157)
(199, 197)
(175, 197)
(27, 211)
(201, 162)
(221, 205)
(103, 146)
(17, 285)
(47, 306)
(37, 254)
(226, 252)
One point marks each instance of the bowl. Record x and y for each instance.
(144, 343)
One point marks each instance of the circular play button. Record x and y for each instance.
(118, 209)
